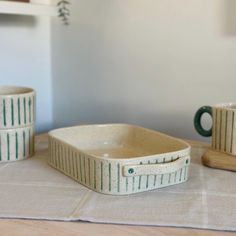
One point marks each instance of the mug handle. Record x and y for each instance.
(197, 121)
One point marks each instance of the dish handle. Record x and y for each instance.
(155, 169)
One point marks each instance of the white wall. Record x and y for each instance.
(148, 62)
(25, 60)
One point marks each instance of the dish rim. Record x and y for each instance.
(184, 151)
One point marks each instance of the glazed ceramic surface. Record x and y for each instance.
(223, 130)
(17, 118)
(16, 144)
(119, 158)
(17, 107)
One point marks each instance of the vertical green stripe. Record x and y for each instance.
(4, 113)
(8, 147)
(50, 150)
(56, 150)
(80, 165)
(133, 183)
(69, 159)
(169, 178)
(180, 176)
(155, 177)
(59, 157)
(63, 151)
(32, 142)
(24, 110)
(101, 175)
(226, 124)
(63, 161)
(215, 129)
(18, 104)
(147, 181)
(70, 164)
(66, 157)
(0, 148)
(77, 165)
(34, 106)
(29, 142)
(52, 159)
(162, 178)
(176, 175)
(185, 172)
(63, 156)
(53, 152)
(30, 104)
(220, 128)
(89, 170)
(109, 176)
(24, 143)
(140, 179)
(232, 133)
(94, 175)
(16, 145)
(118, 177)
(85, 179)
(74, 164)
(12, 112)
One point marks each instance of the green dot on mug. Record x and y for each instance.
(131, 171)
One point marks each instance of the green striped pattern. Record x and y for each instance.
(16, 144)
(17, 111)
(223, 130)
(106, 176)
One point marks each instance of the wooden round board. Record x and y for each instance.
(219, 160)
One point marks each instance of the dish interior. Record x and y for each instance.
(118, 140)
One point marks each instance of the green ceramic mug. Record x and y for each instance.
(223, 130)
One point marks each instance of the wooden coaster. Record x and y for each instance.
(219, 160)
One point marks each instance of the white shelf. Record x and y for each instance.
(20, 8)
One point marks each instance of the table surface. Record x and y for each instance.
(15, 227)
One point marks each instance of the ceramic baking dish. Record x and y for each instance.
(119, 158)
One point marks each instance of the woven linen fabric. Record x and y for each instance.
(31, 189)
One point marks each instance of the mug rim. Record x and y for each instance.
(226, 105)
(21, 90)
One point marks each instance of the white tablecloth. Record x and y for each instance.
(31, 189)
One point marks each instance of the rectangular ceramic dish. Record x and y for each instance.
(119, 158)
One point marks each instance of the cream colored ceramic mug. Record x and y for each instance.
(17, 118)
(223, 129)
(17, 107)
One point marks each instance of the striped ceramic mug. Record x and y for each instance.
(17, 118)
(16, 144)
(17, 107)
(223, 129)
